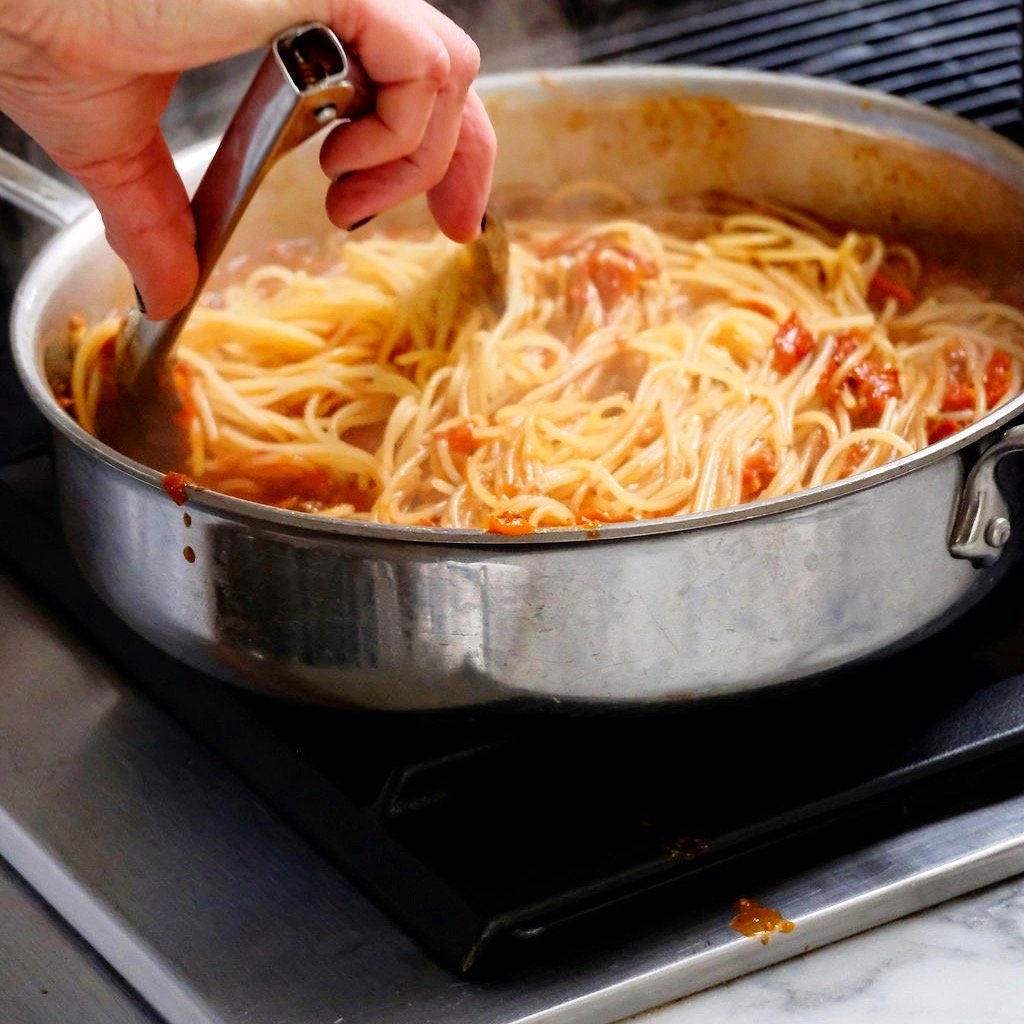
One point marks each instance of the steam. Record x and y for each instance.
(515, 36)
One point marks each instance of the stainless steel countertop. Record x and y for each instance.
(47, 974)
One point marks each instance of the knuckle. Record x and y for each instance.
(431, 167)
(437, 66)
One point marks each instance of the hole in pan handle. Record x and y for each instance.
(982, 524)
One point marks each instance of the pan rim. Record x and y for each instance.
(861, 109)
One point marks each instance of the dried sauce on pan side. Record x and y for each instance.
(174, 485)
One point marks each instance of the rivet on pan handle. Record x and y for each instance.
(306, 81)
(982, 525)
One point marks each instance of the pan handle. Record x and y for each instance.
(38, 194)
(981, 526)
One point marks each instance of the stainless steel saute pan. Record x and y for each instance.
(698, 605)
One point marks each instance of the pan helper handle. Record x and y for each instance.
(305, 82)
(982, 525)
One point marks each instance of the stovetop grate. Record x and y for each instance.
(961, 55)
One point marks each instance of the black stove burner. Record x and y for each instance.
(489, 834)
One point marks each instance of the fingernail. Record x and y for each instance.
(138, 300)
(361, 223)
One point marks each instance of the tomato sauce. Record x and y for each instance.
(855, 455)
(618, 272)
(286, 481)
(510, 524)
(998, 375)
(590, 517)
(870, 384)
(940, 429)
(959, 395)
(462, 439)
(186, 412)
(884, 286)
(759, 470)
(174, 485)
(603, 270)
(791, 343)
(758, 922)
(844, 347)
(107, 366)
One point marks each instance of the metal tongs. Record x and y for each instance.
(490, 259)
(306, 82)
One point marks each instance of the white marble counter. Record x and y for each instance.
(958, 963)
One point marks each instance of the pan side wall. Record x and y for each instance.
(395, 625)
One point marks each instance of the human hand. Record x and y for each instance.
(90, 80)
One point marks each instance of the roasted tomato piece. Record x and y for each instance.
(939, 430)
(791, 343)
(510, 524)
(603, 269)
(872, 386)
(844, 347)
(174, 485)
(462, 439)
(759, 469)
(959, 394)
(885, 286)
(870, 383)
(998, 375)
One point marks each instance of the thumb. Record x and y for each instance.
(149, 224)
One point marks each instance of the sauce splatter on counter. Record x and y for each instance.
(756, 921)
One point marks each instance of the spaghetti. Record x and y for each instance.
(647, 364)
